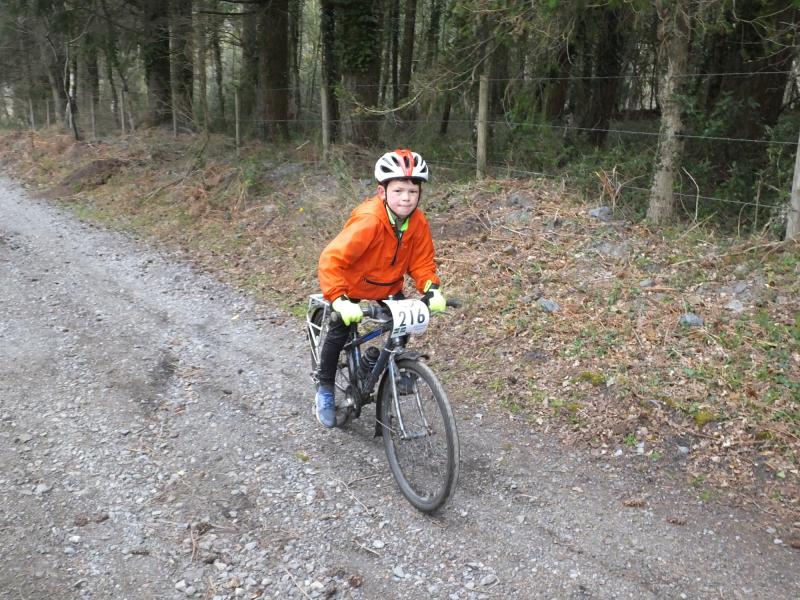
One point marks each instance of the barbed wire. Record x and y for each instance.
(508, 168)
(563, 127)
(522, 125)
(563, 176)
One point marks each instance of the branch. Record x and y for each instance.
(226, 14)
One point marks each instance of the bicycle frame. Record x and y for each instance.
(361, 390)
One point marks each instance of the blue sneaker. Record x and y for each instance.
(326, 405)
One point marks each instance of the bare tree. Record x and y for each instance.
(673, 34)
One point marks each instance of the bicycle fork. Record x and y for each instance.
(394, 378)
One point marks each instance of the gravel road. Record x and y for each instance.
(157, 441)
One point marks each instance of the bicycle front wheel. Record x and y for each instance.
(420, 436)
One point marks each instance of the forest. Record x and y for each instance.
(669, 110)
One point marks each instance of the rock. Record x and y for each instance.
(489, 579)
(42, 488)
(691, 320)
(612, 249)
(647, 283)
(546, 305)
(398, 572)
(377, 544)
(602, 213)
(535, 355)
(517, 199)
(735, 306)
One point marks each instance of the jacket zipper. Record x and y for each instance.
(399, 235)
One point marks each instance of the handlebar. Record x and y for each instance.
(376, 311)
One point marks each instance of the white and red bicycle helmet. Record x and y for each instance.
(401, 164)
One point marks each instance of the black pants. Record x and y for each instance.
(329, 355)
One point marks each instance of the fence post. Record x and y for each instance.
(122, 110)
(326, 118)
(174, 112)
(483, 124)
(94, 117)
(33, 118)
(793, 216)
(236, 117)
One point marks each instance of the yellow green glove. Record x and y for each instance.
(434, 298)
(350, 311)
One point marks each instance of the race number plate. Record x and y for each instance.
(409, 316)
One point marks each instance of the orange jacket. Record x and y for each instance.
(367, 261)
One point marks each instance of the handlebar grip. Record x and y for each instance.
(369, 311)
(375, 311)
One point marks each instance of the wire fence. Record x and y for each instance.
(530, 147)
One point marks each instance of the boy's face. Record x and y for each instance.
(402, 196)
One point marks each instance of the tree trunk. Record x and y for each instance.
(92, 79)
(793, 216)
(330, 64)
(432, 37)
(499, 78)
(216, 52)
(386, 54)
(71, 90)
(358, 26)
(155, 55)
(445, 122)
(556, 94)
(201, 39)
(273, 72)
(182, 62)
(608, 66)
(53, 60)
(112, 63)
(395, 51)
(673, 34)
(295, 45)
(407, 51)
(248, 80)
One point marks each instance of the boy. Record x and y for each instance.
(384, 239)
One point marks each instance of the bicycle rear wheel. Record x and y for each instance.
(423, 452)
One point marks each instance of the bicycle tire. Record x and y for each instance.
(343, 414)
(425, 467)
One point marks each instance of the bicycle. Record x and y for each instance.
(412, 412)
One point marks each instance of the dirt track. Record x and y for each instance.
(156, 441)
